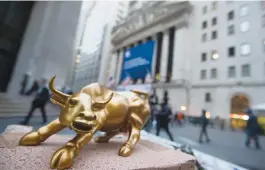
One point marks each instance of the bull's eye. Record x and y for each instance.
(72, 102)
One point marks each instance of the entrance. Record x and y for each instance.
(14, 16)
(237, 115)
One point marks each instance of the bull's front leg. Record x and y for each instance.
(63, 157)
(36, 137)
(134, 136)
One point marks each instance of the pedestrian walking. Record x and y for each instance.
(24, 84)
(163, 120)
(39, 101)
(204, 125)
(153, 101)
(252, 129)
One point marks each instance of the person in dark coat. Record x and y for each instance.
(163, 119)
(204, 125)
(34, 88)
(252, 129)
(39, 101)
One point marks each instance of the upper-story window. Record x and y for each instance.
(245, 49)
(244, 11)
(231, 71)
(231, 30)
(204, 10)
(246, 72)
(231, 51)
(214, 35)
(203, 74)
(244, 26)
(213, 73)
(262, 4)
(215, 55)
(263, 43)
(214, 5)
(204, 37)
(230, 15)
(203, 57)
(204, 24)
(214, 21)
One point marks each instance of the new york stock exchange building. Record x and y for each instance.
(149, 48)
(160, 46)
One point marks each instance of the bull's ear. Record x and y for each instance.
(101, 104)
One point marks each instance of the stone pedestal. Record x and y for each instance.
(93, 156)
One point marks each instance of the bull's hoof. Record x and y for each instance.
(125, 150)
(30, 139)
(63, 158)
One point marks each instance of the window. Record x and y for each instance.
(232, 72)
(203, 74)
(213, 73)
(208, 97)
(245, 49)
(204, 37)
(231, 52)
(214, 5)
(204, 24)
(243, 11)
(245, 72)
(231, 30)
(244, 26)
(214, 21)
(203, 57)
(204, 10)
(215, 55)
(262, 5)
(214, 35)
(230, 15)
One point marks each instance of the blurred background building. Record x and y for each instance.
(36, 38)
(207, 54)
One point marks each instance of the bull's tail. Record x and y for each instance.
(145, 95)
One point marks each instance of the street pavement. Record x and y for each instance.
(226, 145)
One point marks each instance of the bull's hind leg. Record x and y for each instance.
(36, 137)
(106, 137)
(134, 135)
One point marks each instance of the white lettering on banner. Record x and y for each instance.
(136, 62)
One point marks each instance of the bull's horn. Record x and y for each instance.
(102, 103)
(58, 97)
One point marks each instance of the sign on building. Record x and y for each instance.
(137, 64)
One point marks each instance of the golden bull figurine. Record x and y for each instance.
(94, 108)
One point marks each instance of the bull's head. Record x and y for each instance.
(78, 111)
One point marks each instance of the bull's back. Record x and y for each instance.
(117, 113)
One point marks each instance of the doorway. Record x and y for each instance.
(238, 117)
(14, 16)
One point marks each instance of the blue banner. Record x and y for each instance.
(137, 64)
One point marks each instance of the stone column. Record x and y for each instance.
(164, 56)
(118, 75)
(154, 57)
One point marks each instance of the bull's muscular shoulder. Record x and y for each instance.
(97, 91)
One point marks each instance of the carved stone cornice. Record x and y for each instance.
(155, 14)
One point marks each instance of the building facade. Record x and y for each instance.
(44, 44)
(207, 54)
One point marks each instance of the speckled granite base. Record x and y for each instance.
(93, 156)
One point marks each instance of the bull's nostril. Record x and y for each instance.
(95, 117)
